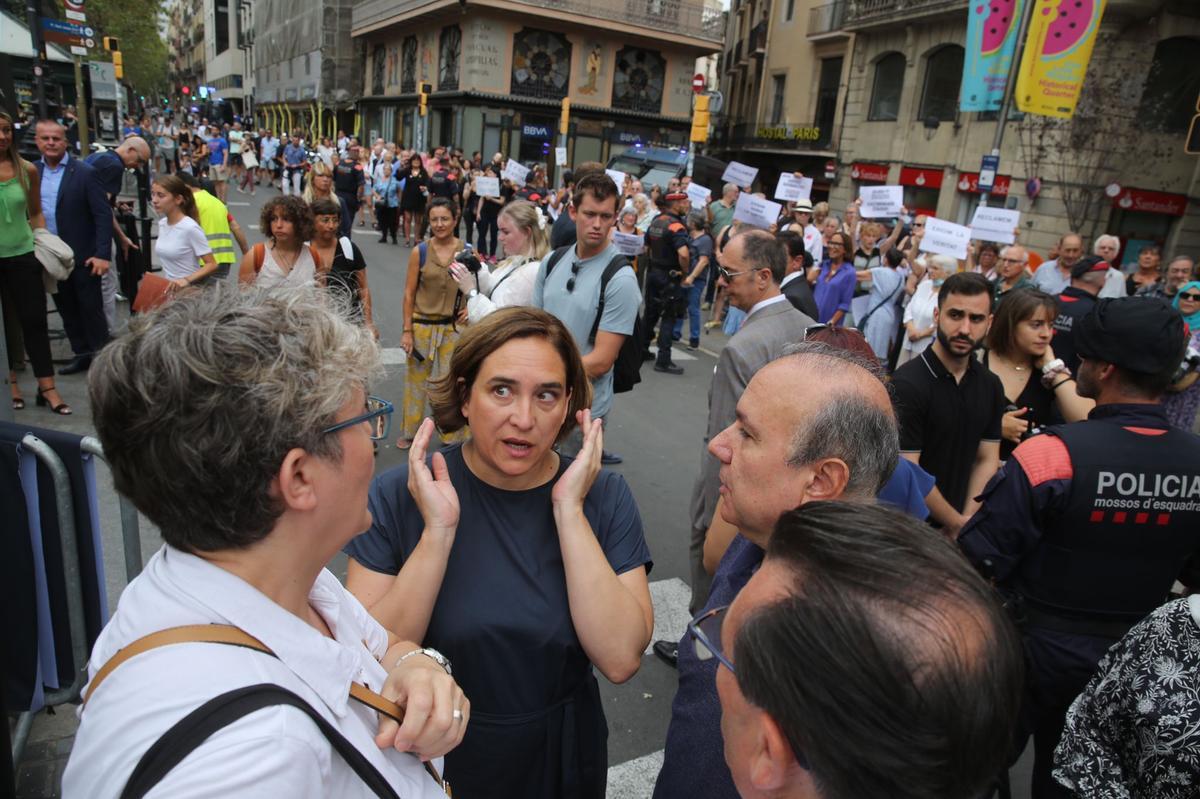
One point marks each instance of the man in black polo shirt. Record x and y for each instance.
(1076, 301)
(950, 406)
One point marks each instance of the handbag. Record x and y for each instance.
(191, 731)
(153, 291)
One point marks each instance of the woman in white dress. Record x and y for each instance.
(286, 259)
(526, 239)
(930, 272)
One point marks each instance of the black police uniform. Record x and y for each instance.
(1073, 305)
(665, 296)
(1087, 527)
(347, 180)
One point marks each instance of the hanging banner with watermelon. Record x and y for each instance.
(1057, 51)
(992, 29)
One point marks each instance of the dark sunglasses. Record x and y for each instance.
(1190, 296)
(378, 413)
(571, 279)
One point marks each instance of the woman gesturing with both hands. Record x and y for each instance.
(526, 567)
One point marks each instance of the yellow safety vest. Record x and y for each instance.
(214, 219)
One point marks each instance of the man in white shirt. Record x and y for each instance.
(1107, 247)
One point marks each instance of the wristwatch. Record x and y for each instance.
(434, 655)
(472, 294)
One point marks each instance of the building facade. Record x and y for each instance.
(784, 69)
(306, 71)
(186, 50)
(500, 72)
(1118, 166)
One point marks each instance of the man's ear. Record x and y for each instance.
(773, 766)
(829, 480)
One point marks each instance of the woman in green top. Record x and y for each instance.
(20, 272)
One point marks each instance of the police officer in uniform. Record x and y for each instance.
(348, 182)
(1088, 526)
(1076, 302)
(666, 298)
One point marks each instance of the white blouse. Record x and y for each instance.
(509, 283)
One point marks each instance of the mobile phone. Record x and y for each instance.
(417, 356)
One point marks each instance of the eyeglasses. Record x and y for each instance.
(379, 414)
(729, 276)
(571, 279)
(1190, 297)
(705, 630)
(918, 224)
(1011, 261)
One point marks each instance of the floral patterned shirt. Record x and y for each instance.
(1134, 732)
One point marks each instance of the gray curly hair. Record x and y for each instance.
(197, 405)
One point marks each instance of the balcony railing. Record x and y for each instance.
(694, 18)
(764, 136)
(827, 18)
(866, 13)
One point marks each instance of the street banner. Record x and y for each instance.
(487, 187)
(515, 171)
(628, 243)
(881, 202)
(739, 175)
(792, 188)
(946, 238)
(995, 224)
(1057, 52)
(992, 29)
(699, 195)
(756, 211)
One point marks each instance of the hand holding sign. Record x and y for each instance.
(698, 195)
(881, 202)
(995, 224)
(630, 244)
(756, 211)
(945, 238)
(618, 177)
(487, 187)
(739, 174)
(792, 188)
(515, 171)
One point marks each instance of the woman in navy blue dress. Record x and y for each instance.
(523, 567)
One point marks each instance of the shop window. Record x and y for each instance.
(889, 83)
(779, 87)
(943, 77)
(1172, 85)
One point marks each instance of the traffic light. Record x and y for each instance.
(424, 90)
(700, 119)
(118, 65)
(111, 43)
(566, 116)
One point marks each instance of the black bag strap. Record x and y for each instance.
(555, 257)
(196, 727)
(861, 325)
(618, 263)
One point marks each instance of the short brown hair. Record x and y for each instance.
(597, 184)
(1015, 307)
(294, 210)
(448, 392)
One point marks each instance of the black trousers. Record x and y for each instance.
(21, 283)
(487, 225)
(388, 219)
(349, 210)
(666, 300)
(81, 307)
(469, 226)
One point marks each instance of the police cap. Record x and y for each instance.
(676, 195)
(1134, 333)
(1092, 263)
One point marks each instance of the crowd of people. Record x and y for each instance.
(915, 531)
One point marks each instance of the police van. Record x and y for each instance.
(653, 164)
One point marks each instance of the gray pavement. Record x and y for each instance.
(658, 428)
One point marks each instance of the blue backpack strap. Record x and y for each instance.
(422, 249)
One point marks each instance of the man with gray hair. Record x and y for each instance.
(720, 210)
(814, 424)
(1179, 271)
(1108, 247)
(110, 167)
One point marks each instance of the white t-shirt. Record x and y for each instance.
(180, 247)
(275, 752)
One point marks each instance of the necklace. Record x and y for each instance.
(280, 262)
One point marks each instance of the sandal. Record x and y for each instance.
(62, 409)
(18, 403)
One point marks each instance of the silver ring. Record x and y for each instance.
(457, 715)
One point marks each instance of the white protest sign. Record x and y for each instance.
(515, 172)
(698, 195)
(487, 187)
(881, 201)
(628, 243)
(560, 156)
(756, 211)
(995, 224)
(618, 177)
(945, 238)
(739, 174)
(792, 188)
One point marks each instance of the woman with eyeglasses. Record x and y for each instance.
(1183, 398)
(526, 567)
(432, 303)
(1038, 388)
(834, 280)
(274, 487)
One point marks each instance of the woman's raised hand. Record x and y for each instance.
(432, 490)
(577, 480)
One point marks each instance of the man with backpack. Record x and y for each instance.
(593, 290)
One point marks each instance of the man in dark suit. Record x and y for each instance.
(795, 283)
(76, 211)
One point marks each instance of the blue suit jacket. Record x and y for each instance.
(83, 213)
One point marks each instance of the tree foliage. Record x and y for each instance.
(135, 24)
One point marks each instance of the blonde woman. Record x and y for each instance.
(525, 236)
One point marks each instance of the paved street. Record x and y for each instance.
(658, 428)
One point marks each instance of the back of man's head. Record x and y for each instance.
(883, 658)
(793, 243)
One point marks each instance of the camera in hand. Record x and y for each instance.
(468, 259)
